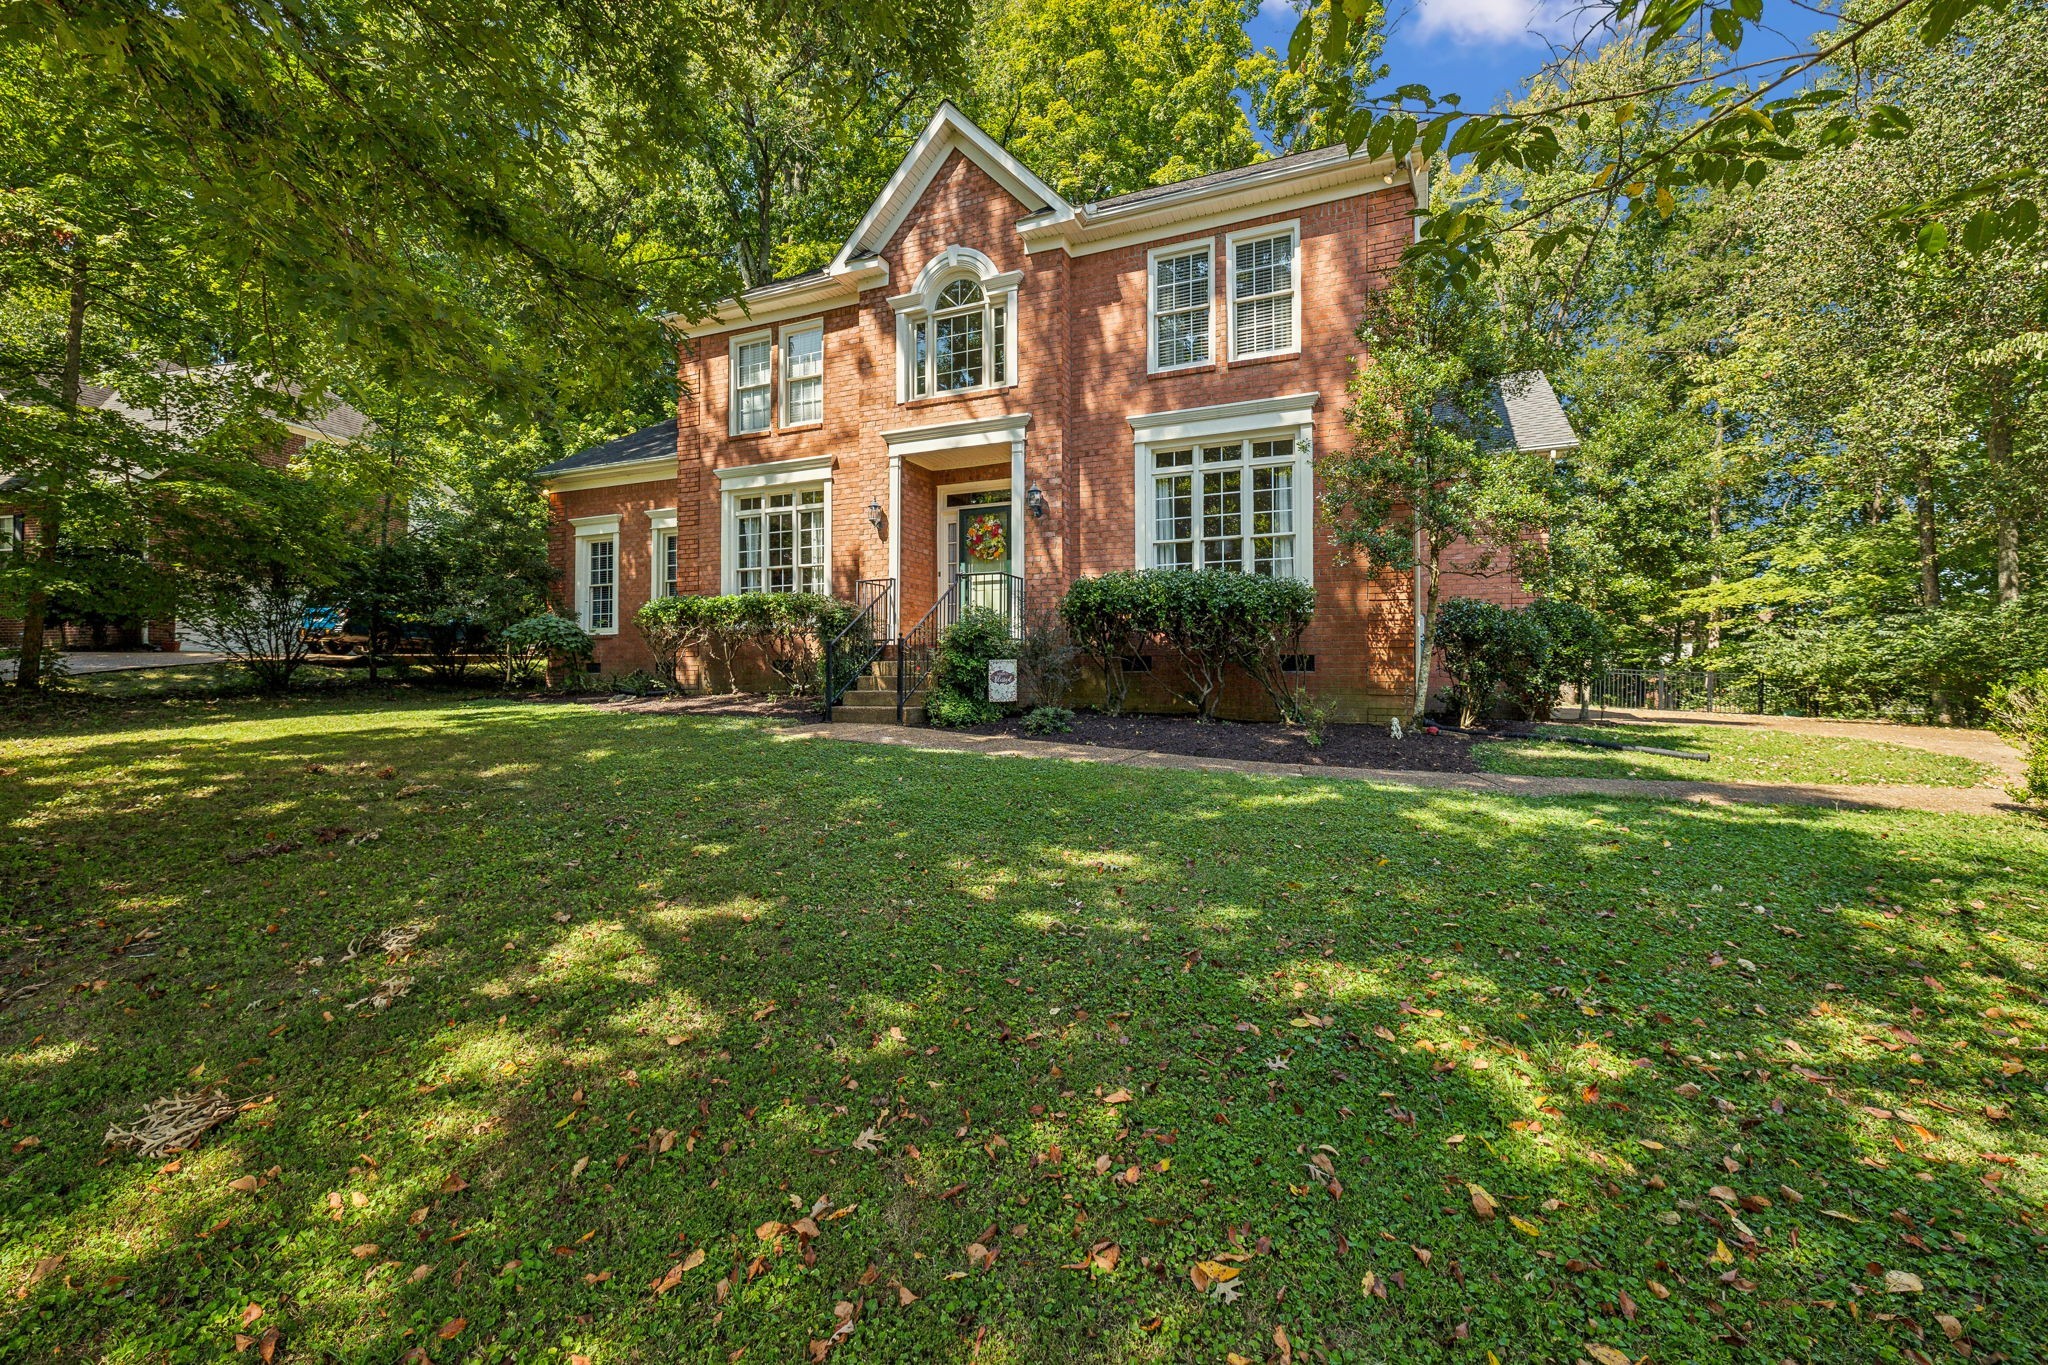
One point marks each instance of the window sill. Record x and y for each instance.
(749, 435)
(956, 395)
(1274, 358)
(1199, 367)
(789, 427)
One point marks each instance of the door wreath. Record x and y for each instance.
(985, 540)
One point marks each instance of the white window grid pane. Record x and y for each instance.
(1223, 519)
(747, 555)
(751, 368)
(1173, 522)
(920, 346)
(601, 560)
(1273, 520)
(803, 372)
(958, 361)
(668, 564)
(1181, 309)
(999, 342)
(1262, 288)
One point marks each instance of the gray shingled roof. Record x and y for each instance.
(648, 443)
(1219, 179)
(1528, 407)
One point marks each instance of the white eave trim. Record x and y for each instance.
(596, 527)
(1283, 189)
(803, 469)
(1006, 429)
(786, 300)
(656, 469)
(949, 129)
(1226, 419)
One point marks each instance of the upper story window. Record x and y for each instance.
(1265, 313)
(955, 329)
(13, 531)
(803, 376)
(752, 367)
(1181, 291)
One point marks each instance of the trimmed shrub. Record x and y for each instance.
(1048, 720)
(2019, 711)
(1102, 617)
(524, 646)
(671, 625)
(789, 629)
(1489, 650)
(1580, 645)
(959, 689)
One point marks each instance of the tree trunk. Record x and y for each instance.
(1923, 514)
(2005, 521)
(28, 674)
(1714, 526)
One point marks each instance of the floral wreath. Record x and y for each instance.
(985, 540)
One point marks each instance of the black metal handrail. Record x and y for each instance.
(861, 641)
(997, 592)
(917, 649)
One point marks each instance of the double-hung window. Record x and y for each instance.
(600, 583)
(803, 376)
(963, 344)
(753, 361)
(665, 564)
(779, 541)
(1263, 313)
(1181, 293)
(13, 531)
(1225, 506)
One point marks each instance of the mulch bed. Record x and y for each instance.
(1346, 746)
(716, 704)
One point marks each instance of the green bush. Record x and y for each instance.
(1211, 620)
(789, 628)
(1580, 646)
(1489, 651)
(1048, 720)
(525, 645)
(2019, 711)
(1102, 617)
(959, 687)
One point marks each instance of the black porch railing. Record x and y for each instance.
(863, 640)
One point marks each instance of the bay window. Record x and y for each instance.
(1228, 505)
(778, 538)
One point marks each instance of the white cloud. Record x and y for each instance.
(1491, 21)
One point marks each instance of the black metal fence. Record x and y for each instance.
(1677, 689)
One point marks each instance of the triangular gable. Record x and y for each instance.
(950, 130)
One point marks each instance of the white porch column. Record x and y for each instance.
(1020, 518)
(896, 540)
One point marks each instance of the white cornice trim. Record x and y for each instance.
(786, 299)
(949, 130)
(606, 525)
(802, 469)
(1226, 419)
(1284, 189)
(656, 469)
(1004, 429)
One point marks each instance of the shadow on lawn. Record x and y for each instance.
(1039, 936)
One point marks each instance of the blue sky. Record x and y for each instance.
(1482, 49)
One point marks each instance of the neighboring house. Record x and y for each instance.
(338, 425)
(990, 379)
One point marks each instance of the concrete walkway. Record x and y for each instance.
(83, 661)
(1945, 800)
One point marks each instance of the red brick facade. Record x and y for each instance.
(1081, 374)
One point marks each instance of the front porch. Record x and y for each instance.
(877, 675)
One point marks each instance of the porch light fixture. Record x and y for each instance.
(876, 515)
(1034, 498)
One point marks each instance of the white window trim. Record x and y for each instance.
(588, 529)
(1290, 228)
(732, 381)
(1152, 257)
(661, 521)
(809, 471)
(918, 306)
(781, 377)
(1253, 419)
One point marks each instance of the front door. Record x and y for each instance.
(982, 535)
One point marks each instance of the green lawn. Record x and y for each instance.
(672, 978)
(1740, 755)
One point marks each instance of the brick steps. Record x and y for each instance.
(872, 699)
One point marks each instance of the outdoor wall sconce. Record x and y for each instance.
(876, 516)
(1034, 498)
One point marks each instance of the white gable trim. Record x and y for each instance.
(949, 130)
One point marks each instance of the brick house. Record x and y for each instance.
(988, 380)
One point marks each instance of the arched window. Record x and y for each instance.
(960, 340)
